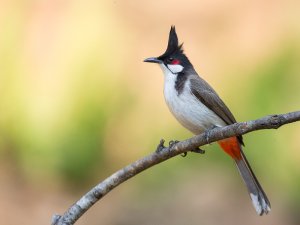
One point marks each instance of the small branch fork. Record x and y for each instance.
(162, 154)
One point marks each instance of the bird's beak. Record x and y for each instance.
(153, 60)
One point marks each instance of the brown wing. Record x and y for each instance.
(204, 92)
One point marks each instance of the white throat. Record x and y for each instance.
(169, 76)
(174, 69)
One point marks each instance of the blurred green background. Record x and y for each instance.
(77, 103)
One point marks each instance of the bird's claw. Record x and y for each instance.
(172, 143)
(160, 146)
(183, 154)
(198, 150)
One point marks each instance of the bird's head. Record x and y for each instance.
(173, 59)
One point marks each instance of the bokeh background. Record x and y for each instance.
(77, 103)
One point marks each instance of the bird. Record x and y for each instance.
(198, 108)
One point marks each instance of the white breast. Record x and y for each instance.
(187, 109)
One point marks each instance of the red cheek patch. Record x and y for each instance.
(175, 62)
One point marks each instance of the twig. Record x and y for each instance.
(164, 153)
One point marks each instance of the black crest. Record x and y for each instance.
(173, 46)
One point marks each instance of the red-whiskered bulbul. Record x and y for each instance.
(199, 108)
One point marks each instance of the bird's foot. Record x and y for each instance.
(160, 146)
(198, 150)
(172, 143)
(183, 154)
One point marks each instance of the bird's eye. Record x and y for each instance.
(174, 61)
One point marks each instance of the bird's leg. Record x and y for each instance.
(160, 146)
(207, 133)
(198, 150)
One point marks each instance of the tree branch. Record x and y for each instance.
(164, 153)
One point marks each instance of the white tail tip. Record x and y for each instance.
(260, 205)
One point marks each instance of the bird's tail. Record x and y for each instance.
(259, 198)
